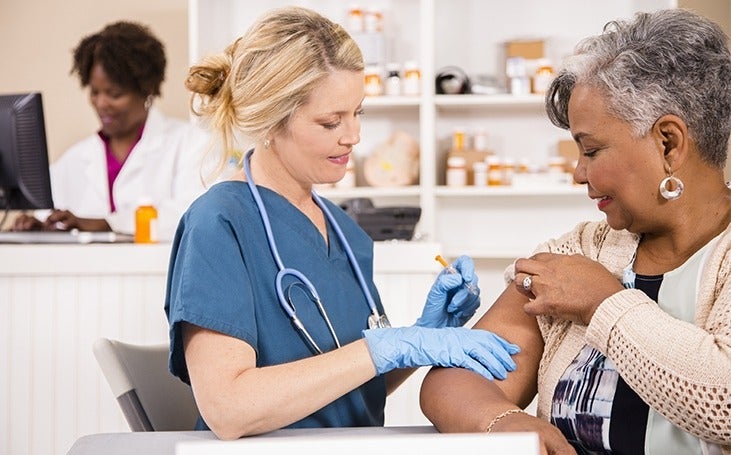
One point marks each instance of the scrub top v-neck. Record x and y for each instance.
(222, 278)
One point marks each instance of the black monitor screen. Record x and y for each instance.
(25, 183)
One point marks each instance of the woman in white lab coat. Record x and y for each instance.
(137, 155)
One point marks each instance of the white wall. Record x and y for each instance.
(38, 36)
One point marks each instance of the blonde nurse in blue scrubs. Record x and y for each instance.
(274, 317)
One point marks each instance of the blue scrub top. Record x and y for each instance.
(221, 277)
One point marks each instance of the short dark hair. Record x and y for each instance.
(129, 53)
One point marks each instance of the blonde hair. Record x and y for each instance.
(252, 89)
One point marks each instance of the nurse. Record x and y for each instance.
(137, 154)
(274, 317)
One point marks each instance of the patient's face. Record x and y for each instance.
(622, 171)
(121, 111)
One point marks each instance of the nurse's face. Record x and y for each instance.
(121, 111)
(321, 134)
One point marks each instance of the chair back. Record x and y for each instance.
(151, 398)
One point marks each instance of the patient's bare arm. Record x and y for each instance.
(457, 400)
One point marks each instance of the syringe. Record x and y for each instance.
(449, 268)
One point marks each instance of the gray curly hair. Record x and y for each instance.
(665, 62)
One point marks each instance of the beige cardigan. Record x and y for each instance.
(682, 370)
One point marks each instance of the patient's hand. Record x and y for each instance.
(567, 286)
(552, 440)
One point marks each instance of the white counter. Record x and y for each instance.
(363, 440)
(55, 300)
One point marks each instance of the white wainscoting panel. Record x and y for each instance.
(55, 300)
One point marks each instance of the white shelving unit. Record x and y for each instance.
(492, 224)
(484, 222)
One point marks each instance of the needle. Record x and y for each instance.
(450, 269)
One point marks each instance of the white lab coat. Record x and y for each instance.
(164, 167)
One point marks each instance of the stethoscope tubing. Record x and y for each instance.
(283, 271)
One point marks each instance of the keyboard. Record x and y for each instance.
(73, 236)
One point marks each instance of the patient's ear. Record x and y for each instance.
(672, 138)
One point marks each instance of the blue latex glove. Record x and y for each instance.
(480, 351)
(449, 302)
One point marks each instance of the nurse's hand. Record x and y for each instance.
(449, 302)
(477, 350)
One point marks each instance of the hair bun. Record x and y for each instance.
(208, 77)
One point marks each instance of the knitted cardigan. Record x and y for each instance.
(681, 370)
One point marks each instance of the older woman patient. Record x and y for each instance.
(624, 324)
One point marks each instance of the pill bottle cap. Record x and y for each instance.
(144, 201)
(456, 160)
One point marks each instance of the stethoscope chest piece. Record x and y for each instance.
(378, 322)
(375, 320)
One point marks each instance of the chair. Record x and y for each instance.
(151, 398)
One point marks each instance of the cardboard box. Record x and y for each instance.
(528, 49)
(570, 150)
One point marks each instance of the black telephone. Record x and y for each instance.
(383, 223)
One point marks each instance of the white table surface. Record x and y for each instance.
(353, 441)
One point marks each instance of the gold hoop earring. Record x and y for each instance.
(266, 143)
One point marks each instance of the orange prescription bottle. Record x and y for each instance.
(146, 222)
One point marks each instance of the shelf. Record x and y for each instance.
(477, 253)
(391, 101)
(500, 191)
(451, 192)
(446, 102)
(370, 191)
(487, 222)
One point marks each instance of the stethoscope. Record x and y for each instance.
(375, 320)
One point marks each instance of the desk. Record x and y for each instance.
(381, 440)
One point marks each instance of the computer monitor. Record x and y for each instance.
(25, 183)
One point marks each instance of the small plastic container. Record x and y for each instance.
(556, 164)
(509, 170)
(479, 170)
(146, 222)
(356, 19)
(373, 81)
(494, 170)
(456, 171)
(458, 139)
(393, 79)
(412, 79)
(479, 140)
(543, 77)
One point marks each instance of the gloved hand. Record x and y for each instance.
(449, 303)
(477, 350)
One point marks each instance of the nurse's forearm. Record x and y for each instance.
(259, 400)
